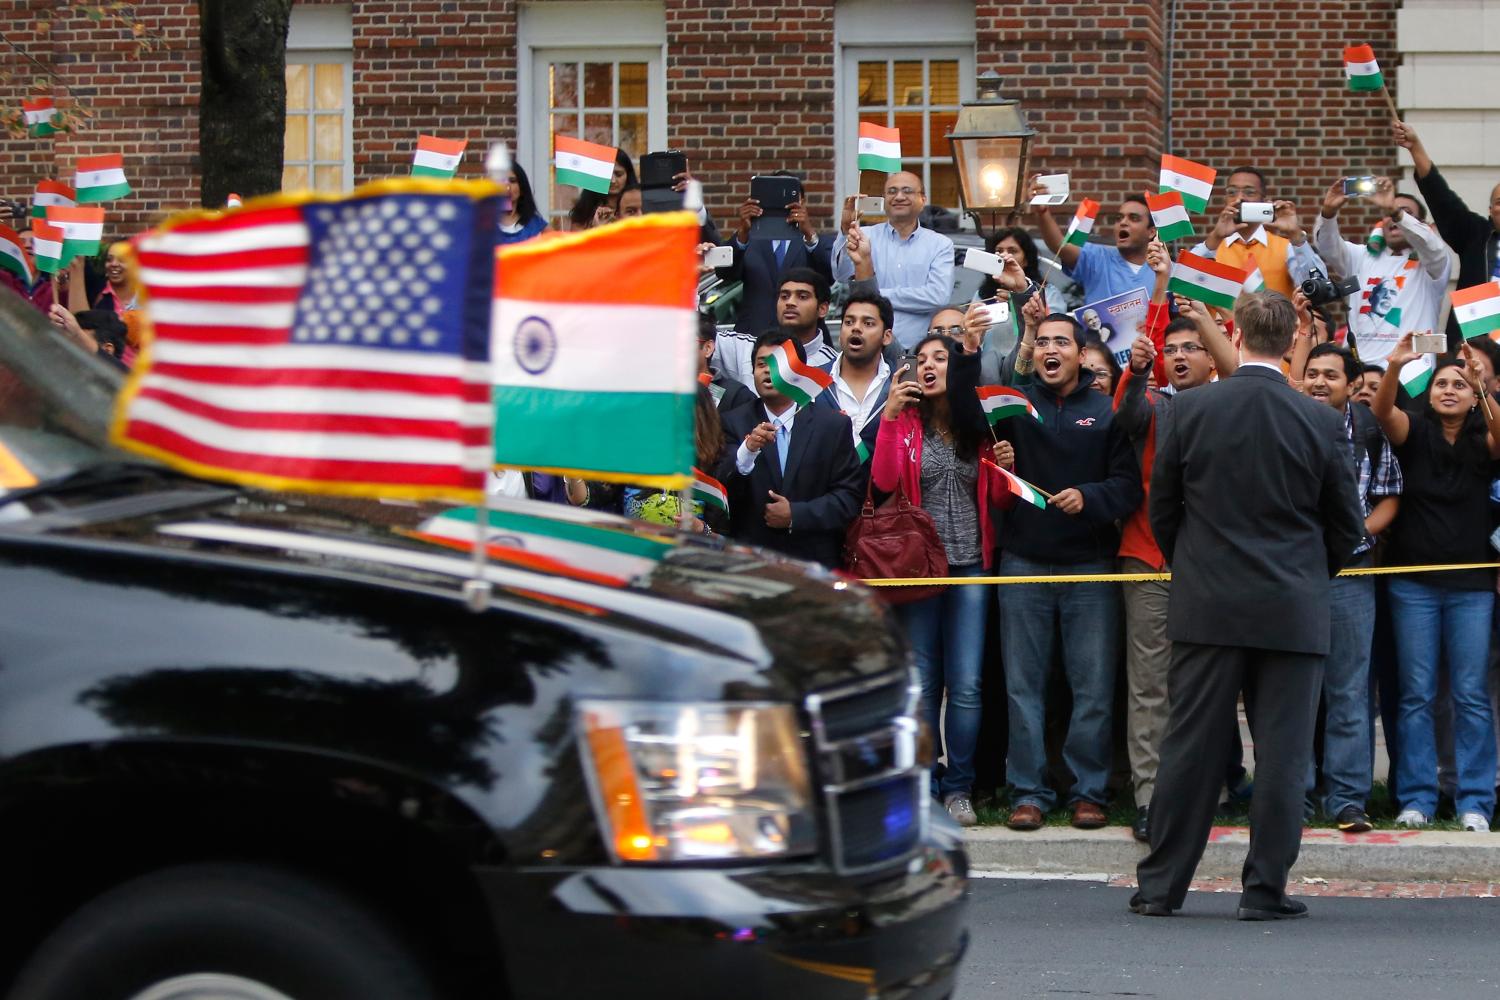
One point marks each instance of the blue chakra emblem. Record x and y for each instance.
(536, 345)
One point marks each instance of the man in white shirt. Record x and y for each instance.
(861, 375)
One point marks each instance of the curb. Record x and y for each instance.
(1379, 856)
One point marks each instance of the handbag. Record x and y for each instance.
(895, 541)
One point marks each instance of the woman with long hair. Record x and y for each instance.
(522, 221)
(934, 444)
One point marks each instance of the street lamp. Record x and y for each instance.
(990, 140)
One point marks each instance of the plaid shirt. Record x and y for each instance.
(1378, 479)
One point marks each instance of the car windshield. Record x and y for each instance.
(55, 401)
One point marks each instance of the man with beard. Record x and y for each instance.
(801, 304)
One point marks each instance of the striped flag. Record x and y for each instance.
(586, 165)
(51, 194)
(100, 178)
(1193, 181)
(233, 201)
(1375, 242)
(709, 491)
(1001, 401)
(323, 346)
(1169, 216)
(793, 378)
(47, 247)
(1477, 309)
(1362, 69)
(574, 365)
(1083, 223)
(1205, 280)
(1256, 282)
(437, 157)
(879, 148)
(1023, 489)
(40, 116)
(82, 229)
(13, 256)
(1416, 375)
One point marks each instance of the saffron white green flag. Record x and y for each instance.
(47, 247)
(1362, 69)
(586, 165)
(879, 148)
(1083, 223)
(794, 378)
(1169, 216)
(1416, 374)
(1477, 309)
(100, 178)
(1193, 181)
(437, 157)
(1205, 280)
(13, 256)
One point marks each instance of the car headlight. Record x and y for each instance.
(698, 781)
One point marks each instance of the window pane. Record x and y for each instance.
(599, 128)
(294, 178)
(633, 135)
(328, 137)
(329, 86)
(910, 124)
(907, 77)
(939, 124)
(598, 89)
(328, 178)
(294, 147)
(872, 182)
(565, 125)
(296, 86)
(564, 77)
(942, 188)
(633, 85)
(942, 79)
(872, 83)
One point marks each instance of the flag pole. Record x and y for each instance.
(1389, 102)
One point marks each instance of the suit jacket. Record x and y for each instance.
(755, 265)
(1255, 507)
(823, 481)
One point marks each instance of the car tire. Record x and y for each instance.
(221, 930)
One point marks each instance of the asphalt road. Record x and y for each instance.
(1077, 939)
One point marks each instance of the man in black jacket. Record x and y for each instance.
(794, 481)
(1254, 505)
(1080, 455)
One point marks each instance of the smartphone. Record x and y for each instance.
(1256, 211)
(869, 204)
(719, 257)
(1359, 187)
(996, 311)
(1429, 343)
(910, 363)
(659, 169)
(982, 261)
(1057, 189)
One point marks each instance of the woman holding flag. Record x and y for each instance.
(939, 457)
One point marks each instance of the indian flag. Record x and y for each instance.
(13, 256)
(40, 116)
(1375, 242)
(565, 542)
(47, 247)
(1205, 280)
(794, 379)
(1362, 69)
(599, 379)
(82, 229)
(100, 178)
(1193, 181)
(1169, 216)
(1083, 223)
(233, 201)
(49, 194)
(1023, 489)
(437, 157)
(1416, 375)
(1000, 401)
(879, 148)
(1256, 282)
(1477, 309)
(586, 165)
(709, 491)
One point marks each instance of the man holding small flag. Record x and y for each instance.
(1103, 271)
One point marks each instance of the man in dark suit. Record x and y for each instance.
(761, 264)
(1255, 507)
(794, 481)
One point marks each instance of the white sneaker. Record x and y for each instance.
(961, 809)
(1476, 823)
(1412, 819)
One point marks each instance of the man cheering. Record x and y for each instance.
(1254, 505)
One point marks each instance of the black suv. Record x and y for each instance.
(261, 746)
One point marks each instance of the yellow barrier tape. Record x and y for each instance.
(953, 581)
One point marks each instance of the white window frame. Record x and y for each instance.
(324, 34)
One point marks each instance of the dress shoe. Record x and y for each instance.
(1025, 817)
(1088, 816)
(1145, 909)
(1290, 909)
(1139, 829)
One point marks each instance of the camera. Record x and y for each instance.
(1321, 290)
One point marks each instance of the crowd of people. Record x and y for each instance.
(902, 416)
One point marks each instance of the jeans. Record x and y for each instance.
(1438, 628)
(1088, 617)
(946, 633)
(1346, 696)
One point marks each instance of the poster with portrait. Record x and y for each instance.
(1116, 320)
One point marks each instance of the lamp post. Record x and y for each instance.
(990, 140)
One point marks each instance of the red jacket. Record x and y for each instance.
(898, 457)
(1136, 539)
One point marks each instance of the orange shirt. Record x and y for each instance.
(1269, 256)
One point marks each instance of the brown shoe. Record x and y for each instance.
(1026, 817)
(1088, 816)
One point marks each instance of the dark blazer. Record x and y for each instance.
(1255, 507)
(823, 481)
(732, 394)
(755, 265)
(868, 432)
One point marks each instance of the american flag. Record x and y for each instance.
(336, 347)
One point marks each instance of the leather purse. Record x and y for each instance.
(895, 541)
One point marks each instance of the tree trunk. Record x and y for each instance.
(242, 114)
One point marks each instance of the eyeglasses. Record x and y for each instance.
(952, 331)
(1172, 350)
(1244, 192)
(908, 191)
(1042, 343)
